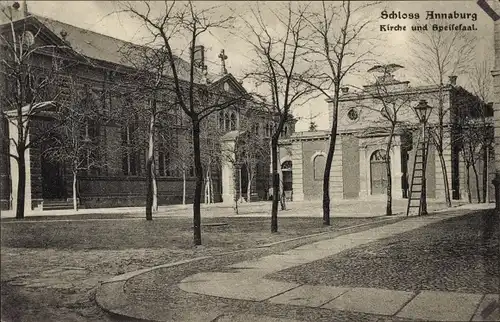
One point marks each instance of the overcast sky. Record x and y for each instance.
(95, 15)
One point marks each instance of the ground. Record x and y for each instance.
(52, 266)
(456, 255)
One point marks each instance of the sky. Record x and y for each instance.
(98, 16)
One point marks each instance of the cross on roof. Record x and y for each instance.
(223, 58)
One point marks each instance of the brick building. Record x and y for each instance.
(100, 66)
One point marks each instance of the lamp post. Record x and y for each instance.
(422, 109)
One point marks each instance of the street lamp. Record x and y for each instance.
(422, 110)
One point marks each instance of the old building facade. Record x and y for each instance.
(99, 72)
(359, 165)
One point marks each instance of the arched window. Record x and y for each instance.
(286, 169)
(221, 120)
(227, 124)
(319, 166)
(233, 121)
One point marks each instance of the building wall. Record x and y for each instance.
(369, 115)
(313, 187)
(350, 166)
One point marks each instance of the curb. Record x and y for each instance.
(110, 295)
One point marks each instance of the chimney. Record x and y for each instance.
(25, 9)
(199, 56)
(453, 80)
(344, 89)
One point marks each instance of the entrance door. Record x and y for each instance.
(52, 179)
(378, 172)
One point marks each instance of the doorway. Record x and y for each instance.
(52, 177)
(378, 171)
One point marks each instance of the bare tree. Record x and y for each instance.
(149, 87)
(33, 74)
(165, 24)
(338, 48)
(211, 153)
(471, 141)
(481, 83)
(278, 72)
(75, 141)
(254, 149)
(435, 56)
(389, 103)
(183, 161)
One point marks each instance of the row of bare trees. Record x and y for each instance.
(310, 50)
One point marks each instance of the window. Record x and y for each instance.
(286, 169)
(233, 122)
(27, 39)
(221, 120)
(353, 114)
(131, 158)
(319, 167)
(285, 131)
(164, 163)
(227, 124)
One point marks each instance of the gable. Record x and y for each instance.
(229, 84)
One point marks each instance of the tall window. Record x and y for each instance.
(227, 122)
(93, 131)
(233, 121)
(221, 120)
(319, 163)
(164, 163)
(131, 158)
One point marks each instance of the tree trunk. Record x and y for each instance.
(276, 185)
(388, 207)
(21, 184)
(485, 173)
(211, 192)
(249, 184)
(75, 199)
(236, 210)
(155, 190)
(476, 177)
(199, 182)
(283, 199)
(467, 179)
(445, 177)
(149, 169)
(183, 186)
(328, 165)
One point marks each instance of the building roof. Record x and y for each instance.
(104, 48)
(100, 47)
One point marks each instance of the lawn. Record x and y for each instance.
(51, 267)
